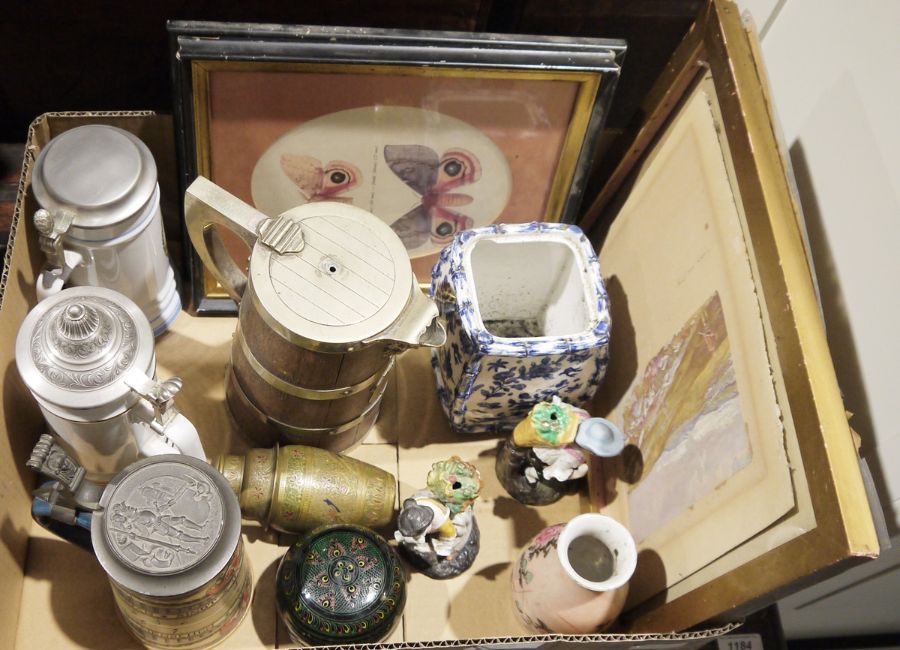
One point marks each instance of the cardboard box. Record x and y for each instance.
(57, 595)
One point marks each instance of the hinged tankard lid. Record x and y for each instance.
(76, 349)
(102, 174)
(341, 278)
(166, 525)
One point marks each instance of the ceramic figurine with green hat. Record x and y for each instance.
(549, 451)
(437, 531)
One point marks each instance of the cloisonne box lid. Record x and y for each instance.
(340, 584)
(826, 495)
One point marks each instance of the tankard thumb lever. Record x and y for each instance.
(167, 430)
(60, 261)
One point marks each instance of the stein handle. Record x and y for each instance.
(183, 433)
(207, 205)
(64, 505)
(178, 437)
(52, 278)
(68, 524)
(52, 227)
(165, 430)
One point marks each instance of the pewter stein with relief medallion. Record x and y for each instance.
(86, 354)
(167, 532)
(100, 222)
(329, 299)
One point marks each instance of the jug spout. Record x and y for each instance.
(417, 326)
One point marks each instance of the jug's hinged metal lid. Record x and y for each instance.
(334, 274)
(100, 174)
(84, 348)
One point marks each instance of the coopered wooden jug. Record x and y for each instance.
(330, 298)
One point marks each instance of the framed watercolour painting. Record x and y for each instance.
(433, 132)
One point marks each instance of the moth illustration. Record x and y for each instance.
(318, 182)
(433, 177)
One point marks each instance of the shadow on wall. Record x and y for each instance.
(838, 328)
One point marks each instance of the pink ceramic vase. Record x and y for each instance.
(573, 578)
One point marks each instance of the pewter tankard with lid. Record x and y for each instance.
(330, 298)
(100, 222)
(167, 532)
(86, 354)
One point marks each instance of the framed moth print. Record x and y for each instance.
(432, 132)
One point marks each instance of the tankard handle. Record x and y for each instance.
(63, 505)
(207, 205)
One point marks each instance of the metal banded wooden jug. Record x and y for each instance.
(329, 299)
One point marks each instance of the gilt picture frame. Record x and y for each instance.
(434, 132)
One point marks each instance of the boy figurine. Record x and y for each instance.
(549, 450)
(437, 531)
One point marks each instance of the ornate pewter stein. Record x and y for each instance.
(86, 354)
(329, 299)
(296, 488)
(100, 223)
(167, 532)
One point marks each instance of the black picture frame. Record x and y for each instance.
(194, 45)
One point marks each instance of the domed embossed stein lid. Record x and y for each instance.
(80, 349)
(340, 584)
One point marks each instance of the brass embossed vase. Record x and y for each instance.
(340, 585)
(297, 488)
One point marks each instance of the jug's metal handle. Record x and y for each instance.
(207, 205)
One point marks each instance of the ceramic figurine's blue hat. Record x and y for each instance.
(600, 437)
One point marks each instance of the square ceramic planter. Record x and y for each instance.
(527, 318)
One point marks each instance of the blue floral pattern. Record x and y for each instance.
(487, 384)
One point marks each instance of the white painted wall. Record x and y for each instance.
(834, 68)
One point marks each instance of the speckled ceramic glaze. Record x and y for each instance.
(340, 585)
(551, 592)
(527, 318)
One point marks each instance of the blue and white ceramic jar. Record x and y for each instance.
(527, 318)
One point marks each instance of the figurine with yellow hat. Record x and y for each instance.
(549, 451)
